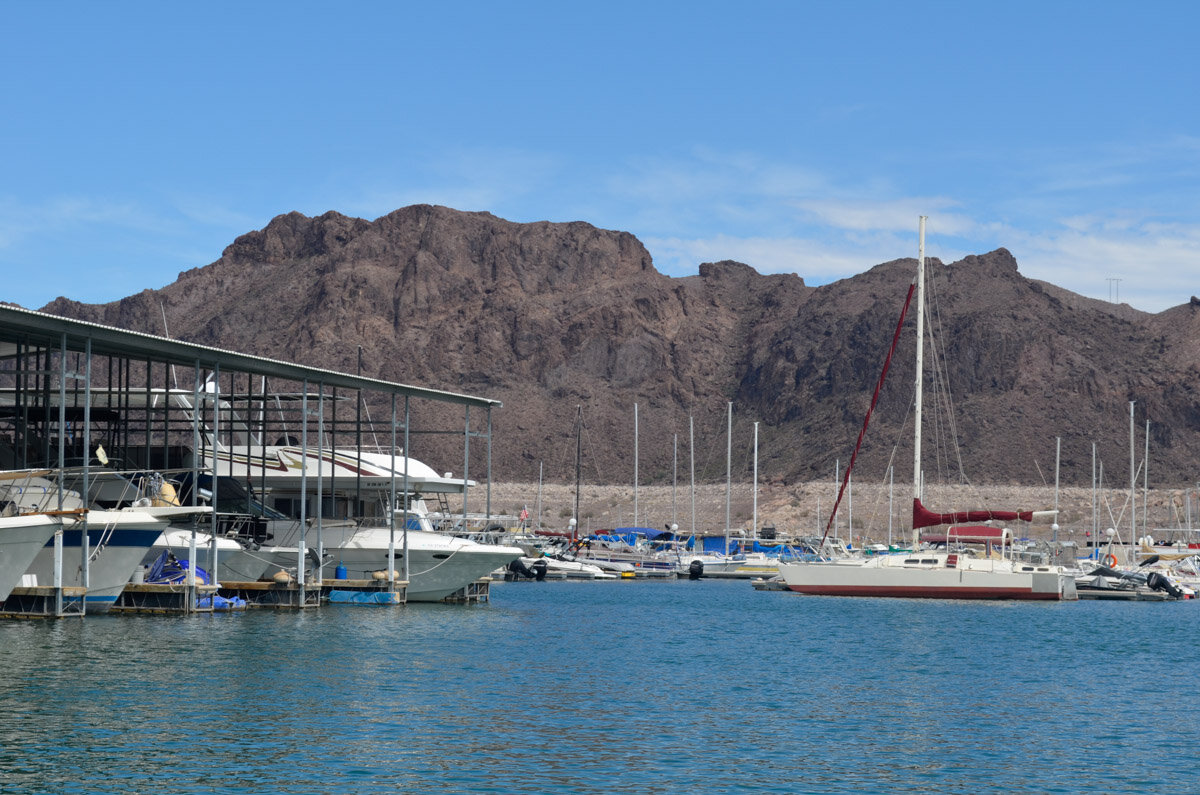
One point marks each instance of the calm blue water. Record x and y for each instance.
(609, 687)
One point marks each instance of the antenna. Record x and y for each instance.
(1114, 290)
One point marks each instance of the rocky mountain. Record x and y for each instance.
(550, 316)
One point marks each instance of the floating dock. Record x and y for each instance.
(275, 595)
(43, 601)
(1125, 595)
(165, 598)
(478, 592)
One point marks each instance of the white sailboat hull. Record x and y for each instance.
(890, 576)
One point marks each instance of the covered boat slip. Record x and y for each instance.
(133, 421)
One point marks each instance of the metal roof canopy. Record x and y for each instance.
(24, 325)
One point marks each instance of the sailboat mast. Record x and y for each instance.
(728, 465)
(578, 463)
(674, 479)
(754, 525)
(1132, 484)
(692, 468)
(920, 396)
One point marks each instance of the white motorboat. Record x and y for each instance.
(26, 523)
(617, 555)
(350, 524)
(117, 540)
(438, 565)
(551, 568)
(21, 538)
(237, 561)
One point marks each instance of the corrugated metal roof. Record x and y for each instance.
(18, 325)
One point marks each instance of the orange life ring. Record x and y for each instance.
(1110, 560)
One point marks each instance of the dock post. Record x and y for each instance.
(58, 564)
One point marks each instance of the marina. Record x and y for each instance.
(123, 490)
(550, 398)
(130, 489)
(330, 637)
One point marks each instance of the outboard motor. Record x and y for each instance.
(518, 568)
(695, 570)
(1158, 582)
(539, 569)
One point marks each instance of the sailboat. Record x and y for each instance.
(940, 572)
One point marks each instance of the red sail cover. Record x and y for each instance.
(923, 517)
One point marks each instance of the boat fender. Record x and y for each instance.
(1110, 560)
(695, 570)
(166, 496)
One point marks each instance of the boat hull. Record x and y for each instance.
(836, 579)
(438, 565)
(235, 563)
(21, 538)
(117, 540)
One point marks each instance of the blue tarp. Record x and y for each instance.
(167, 569)
(217, 602)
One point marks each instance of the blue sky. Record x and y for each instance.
(141, 138)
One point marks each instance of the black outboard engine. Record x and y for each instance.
(695, 570)
(539, 569)
(1158, 582)
(518, 568)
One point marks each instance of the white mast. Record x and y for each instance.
(635, 466)
(1146, 484)
(920, 371)
(1095, 505)
(1057, 464)
(539, 495)
(1132, 487)
(692, 468)
(891, 482)
(728, 466)
(1133, 482)
(674, 480)
(754, 528)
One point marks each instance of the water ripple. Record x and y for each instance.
(615, 687)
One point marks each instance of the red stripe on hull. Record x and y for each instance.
(924, 593)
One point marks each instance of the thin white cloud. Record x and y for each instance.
(1156, 264)
(507, 182)
(895, 215)
(816, 261)
(781, 219)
